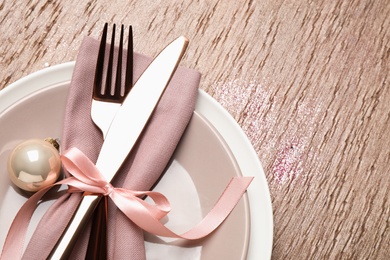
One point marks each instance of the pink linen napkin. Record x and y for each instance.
(142, 168)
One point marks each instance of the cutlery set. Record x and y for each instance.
(121, 118)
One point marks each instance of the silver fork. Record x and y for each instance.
(106, 100)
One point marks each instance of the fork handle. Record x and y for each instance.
(97, 244)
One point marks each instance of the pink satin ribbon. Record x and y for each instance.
(87, 178)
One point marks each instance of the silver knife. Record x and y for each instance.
(124, 131)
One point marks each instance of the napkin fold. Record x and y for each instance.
(142, 168)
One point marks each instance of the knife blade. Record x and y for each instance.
(124, 131)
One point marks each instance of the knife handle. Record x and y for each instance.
(83, 214)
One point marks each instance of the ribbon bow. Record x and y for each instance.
(87, 178)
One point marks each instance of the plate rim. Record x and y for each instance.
(261, 230)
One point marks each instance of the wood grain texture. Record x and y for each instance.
(308, 81)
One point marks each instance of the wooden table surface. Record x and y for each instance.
(308, 82)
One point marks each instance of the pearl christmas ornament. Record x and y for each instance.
(34, 164)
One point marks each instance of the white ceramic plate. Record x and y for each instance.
(246, 233)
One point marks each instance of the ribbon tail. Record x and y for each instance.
(139, 214)
(14, 243)
(221, 210)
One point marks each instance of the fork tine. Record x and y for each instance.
(107, 89)
(97, 89)
(129, 63)
(118, 80)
